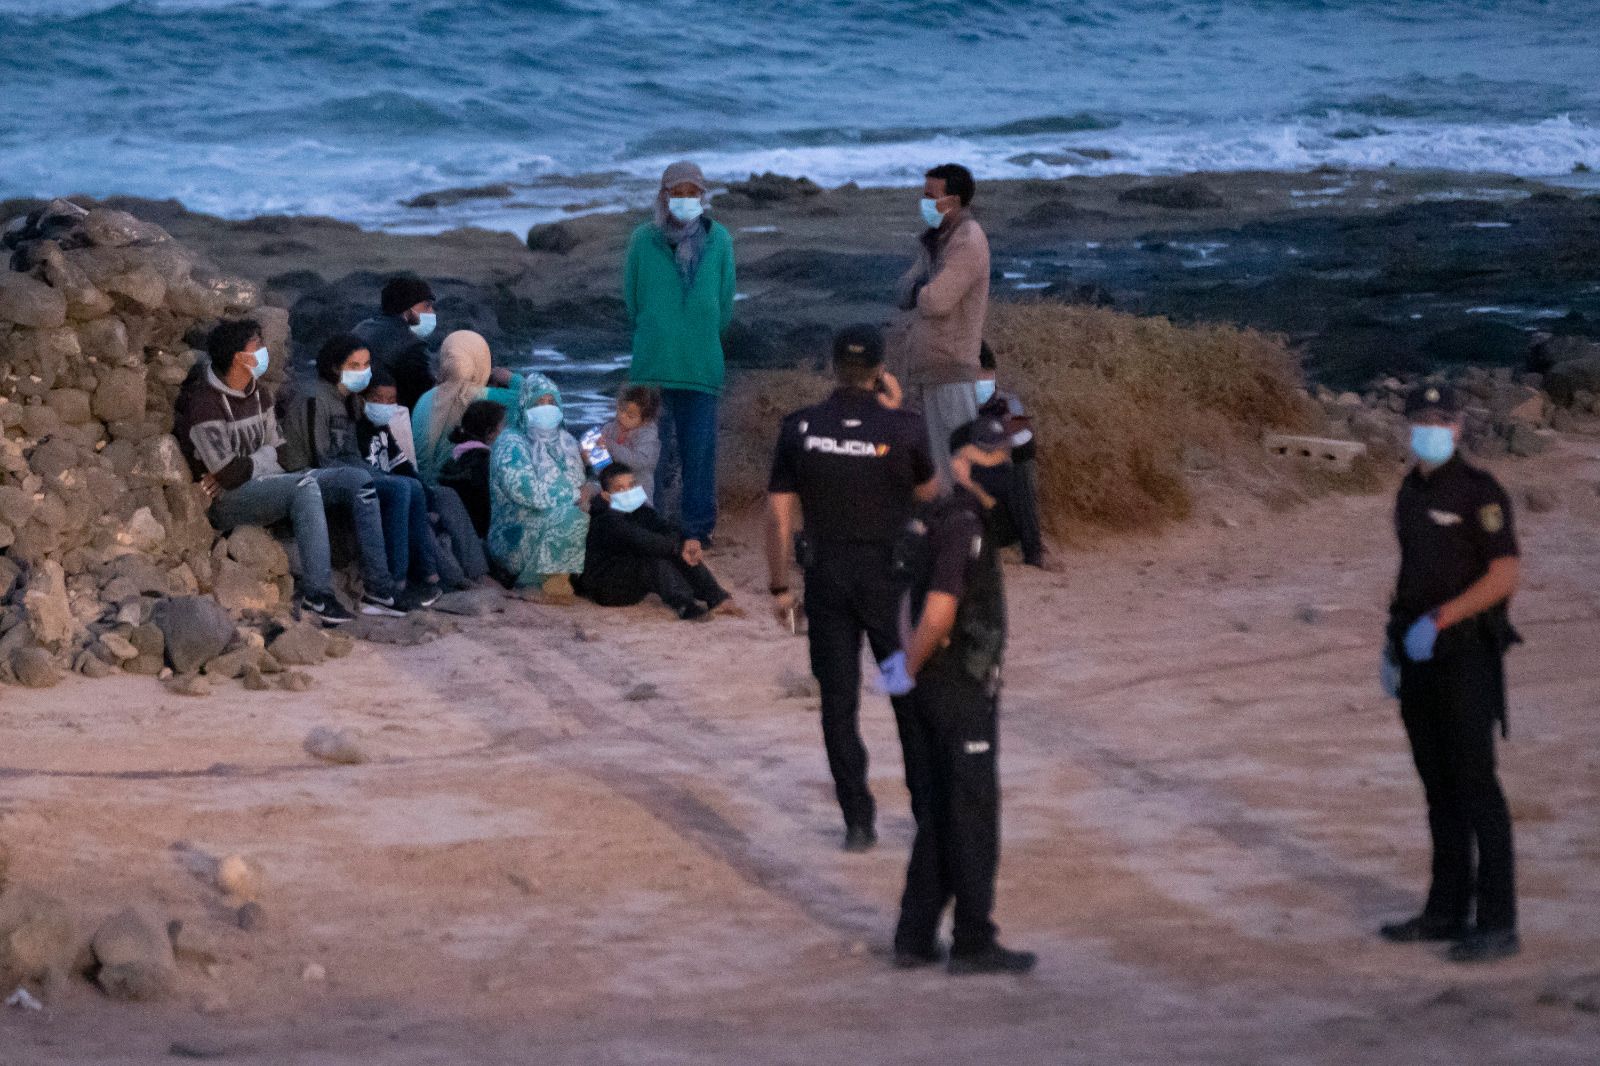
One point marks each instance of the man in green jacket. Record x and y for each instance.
(678, 286)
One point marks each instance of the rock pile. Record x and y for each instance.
(100, 316)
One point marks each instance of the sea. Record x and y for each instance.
(351, 108)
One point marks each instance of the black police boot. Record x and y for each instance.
(992, 959)
(860, 838)
(1486, 945)
(1422, 928)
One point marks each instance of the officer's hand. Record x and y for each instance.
(783, 607)
(1420, 639)
(1389, 676)
(893, 677)
(890, 394)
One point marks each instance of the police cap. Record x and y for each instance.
(858, 346)
(989, 434)
(1427, 398)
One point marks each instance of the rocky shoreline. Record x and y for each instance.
(1370, 273)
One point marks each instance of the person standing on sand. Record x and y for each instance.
(678, 285)
(1449, 629)
(856, 466)
(945, 300)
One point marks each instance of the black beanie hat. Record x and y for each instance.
(403, 293)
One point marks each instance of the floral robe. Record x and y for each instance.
(536, 527)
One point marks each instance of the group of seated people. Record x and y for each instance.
(442, 479)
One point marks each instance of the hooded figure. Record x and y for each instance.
(464, 369)
(537, 526)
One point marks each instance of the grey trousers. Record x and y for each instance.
(945, 409)
(464, 563)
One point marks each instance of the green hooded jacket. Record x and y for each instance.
(677, 332)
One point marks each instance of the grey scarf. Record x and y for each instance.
(687, 241)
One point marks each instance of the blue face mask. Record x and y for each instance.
(381, 414)
(985, 390)
(355, 380)
(1433, 444)
(545, 416)
(425, 324)
(930, 213)
(685, 208)
(628, 500)
(263, 360)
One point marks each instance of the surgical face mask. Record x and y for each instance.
(263, 360)
(628, 500)
(1433, 444)
(685, 208)
(355, 380)
(381, 414)
(545, 416)
(425, 323)
(930, 213)
(985, 390)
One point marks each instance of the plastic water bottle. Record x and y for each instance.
(595, 452)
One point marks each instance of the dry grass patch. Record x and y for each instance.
(753, 406)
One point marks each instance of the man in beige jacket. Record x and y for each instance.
(945, 297)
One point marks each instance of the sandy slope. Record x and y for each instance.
(1208, 807)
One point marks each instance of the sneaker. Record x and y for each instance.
(859, 838)
(915, 958)
(694, 613)
(993, 959)
(383, 606)
(419, 597)
(328, 609)
(1422, 929)
(1486, 945)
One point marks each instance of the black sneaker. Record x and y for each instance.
(1486, 945)
(382, 606)
(1422, 929)
(421, 597)
(859, 838)
(992, 959)
(329, 610)
(916, 958)
(694, 613)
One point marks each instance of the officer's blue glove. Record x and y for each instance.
(1389, 676)
(1420, 639)
(893, 678)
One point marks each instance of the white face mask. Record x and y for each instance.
(544, 417)
(685, 208)
(628, 500)
(425, 324)
(381, 414)
(930, 213)
(986, 389)
(263, 360)
(355, 380)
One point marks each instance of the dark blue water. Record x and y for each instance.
(346, 107)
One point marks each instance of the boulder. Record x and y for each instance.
(233, 664)
(38, 938)
(558, 238)
(70, 405)
(195, 630)
(188, 685)
(27, 301)
(1566, 380)
(159, 459)
(258, 552)
(238, 590)
(335, 746)
(1186, 194)
(120, 396)
(135, 956)
(50, 617)
(105, 341)
(107, 228)
(299, 645)
(35, 668)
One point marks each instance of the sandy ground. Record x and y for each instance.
(1208, 809)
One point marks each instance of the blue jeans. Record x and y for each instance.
(267, 500)
(689, 453)
(350, 489)
(403, 502)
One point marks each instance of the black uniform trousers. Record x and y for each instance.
(1449, 706)
(679, 585)
(851, 590)
(952, 746)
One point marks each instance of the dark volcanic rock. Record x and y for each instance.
(1184, 195)
(558, 238)
(847, 275)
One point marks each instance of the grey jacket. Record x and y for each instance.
(319, 428)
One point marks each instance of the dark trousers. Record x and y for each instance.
(1449, 707)
(850, 592)
(951, 743)
(686, 476)
(679, 585)
(1023, 505)
(407, 533)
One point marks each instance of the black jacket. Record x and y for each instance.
(402, 353)
(622, 552)
(469, 477)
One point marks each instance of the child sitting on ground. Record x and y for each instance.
(633, 438)
(1011, 492)
(632, 552)
(467, 469)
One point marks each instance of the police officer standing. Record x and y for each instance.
(856, 465)
(1448, 631)
(950, 674)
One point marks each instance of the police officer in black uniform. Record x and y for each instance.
(857, 465)
(950, 674)
(1448, 633)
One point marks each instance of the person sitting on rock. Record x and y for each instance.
(633, 436)
(382, 433)
(1010, 493)
(632, 551)
(466, 472)
(392, 536)
(228, 432)
(466, 375)
(398, 337)
(536, 488)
